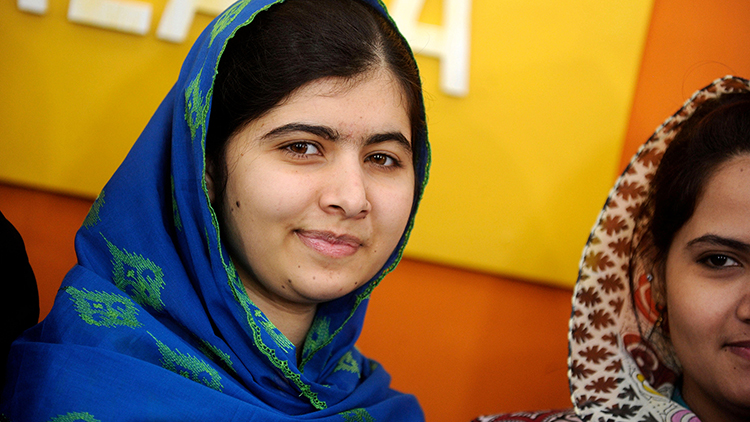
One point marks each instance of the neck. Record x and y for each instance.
(707, 408)
(293, 319)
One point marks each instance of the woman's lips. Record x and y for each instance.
(330, 244)
(740, 348)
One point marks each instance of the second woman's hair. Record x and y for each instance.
(717, 131)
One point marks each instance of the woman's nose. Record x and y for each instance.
(345, 191)
(743, 307)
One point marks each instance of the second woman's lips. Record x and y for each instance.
(330, 244)
(740, 348)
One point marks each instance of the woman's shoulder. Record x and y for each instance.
(567, 415)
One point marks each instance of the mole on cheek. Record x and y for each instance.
(237, 203)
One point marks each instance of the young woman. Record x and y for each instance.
(660, 329)
(225, 269)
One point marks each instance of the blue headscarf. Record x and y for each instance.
(154, 324)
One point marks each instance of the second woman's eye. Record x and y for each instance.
(302, 148)
(719, 261)
(383, 160)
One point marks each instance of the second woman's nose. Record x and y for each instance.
(743, 306)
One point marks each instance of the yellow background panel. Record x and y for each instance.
(521, 165)
(75, 98)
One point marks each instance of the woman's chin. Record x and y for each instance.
(319, 293)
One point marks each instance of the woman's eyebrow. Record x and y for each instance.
(317, 130)
(717, 240)
(388, 137)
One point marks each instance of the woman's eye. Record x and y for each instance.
(302, 148)
(382, 160)
(719, 261)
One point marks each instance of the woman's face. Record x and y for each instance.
(319, 190)
(708, 296)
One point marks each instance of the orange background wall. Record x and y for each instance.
(689, 44)
(468, 343)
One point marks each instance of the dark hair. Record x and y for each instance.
(297, 42)
(718, 130)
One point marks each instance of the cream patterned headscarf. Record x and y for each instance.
(619, 367)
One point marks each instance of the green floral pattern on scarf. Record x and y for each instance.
(189, 366)
(104, 309)
(137, 276)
